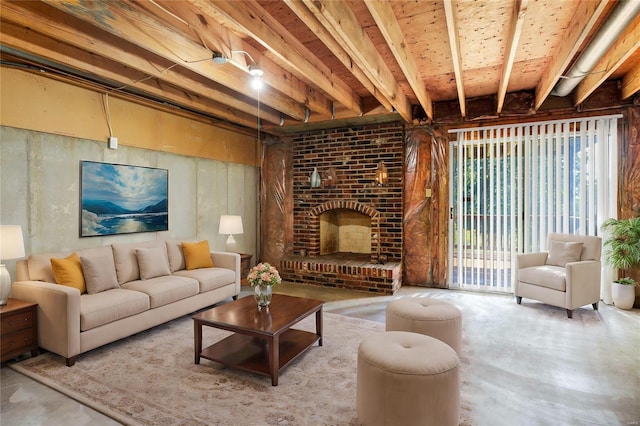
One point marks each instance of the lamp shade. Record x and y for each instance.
(11, 242)
(230, 225)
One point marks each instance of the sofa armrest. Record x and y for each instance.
(583, 283)
(223, 259)
(528, 260)
(58, 314)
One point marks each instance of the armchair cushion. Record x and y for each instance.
(549, 276)
(561, 253)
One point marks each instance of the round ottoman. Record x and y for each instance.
(426, 316)
(407, 379)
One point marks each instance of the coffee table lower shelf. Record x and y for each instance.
(251, 353)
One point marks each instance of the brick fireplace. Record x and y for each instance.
(347, 232)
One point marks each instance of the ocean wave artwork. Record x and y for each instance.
(122, 199)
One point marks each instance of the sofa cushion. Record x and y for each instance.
(125, 259)
(152, 262)
(39, 266)
(97, 267)
(210, 278)
(549, 276)
(164, 290)
(108, 306)
(68, 271)
(197, 255)
(562, 252)
(175, 254)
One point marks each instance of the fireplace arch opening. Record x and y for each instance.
(344, 231)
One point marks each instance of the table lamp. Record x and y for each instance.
(230, 225)
(11, 247)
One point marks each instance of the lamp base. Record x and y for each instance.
(231, 244)
(5, 285)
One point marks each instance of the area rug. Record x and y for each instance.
(151, 379)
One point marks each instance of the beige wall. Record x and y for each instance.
(48, 128)
(36, 102)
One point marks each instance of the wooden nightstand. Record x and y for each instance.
(19, 329)
(245, 266)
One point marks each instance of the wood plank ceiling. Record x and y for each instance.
(327, 61)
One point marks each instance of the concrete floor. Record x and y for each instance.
(526, 364)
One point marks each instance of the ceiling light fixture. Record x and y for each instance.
(255, 71)
(256, 83)
(253, 68)
(219, 58)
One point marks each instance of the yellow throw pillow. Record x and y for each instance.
(196, 255)
(68, 271)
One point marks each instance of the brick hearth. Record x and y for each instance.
(343, 271)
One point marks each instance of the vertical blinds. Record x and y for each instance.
(513, 185)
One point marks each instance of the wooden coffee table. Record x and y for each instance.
(263, 341)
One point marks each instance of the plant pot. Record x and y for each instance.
(623, 295)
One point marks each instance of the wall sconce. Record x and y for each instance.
(331, 178)
(381, 174)
(230, 225)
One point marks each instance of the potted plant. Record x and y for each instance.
(622, 251)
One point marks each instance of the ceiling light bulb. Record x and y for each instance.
(255, 71)
(219, 58)
(256, 83)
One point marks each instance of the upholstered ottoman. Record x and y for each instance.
(426, 316)
(407, 379)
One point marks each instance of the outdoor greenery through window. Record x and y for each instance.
(513, 185)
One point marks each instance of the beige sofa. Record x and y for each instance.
(71, 323)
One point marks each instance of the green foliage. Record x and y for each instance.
(622, 249)
(626, 281)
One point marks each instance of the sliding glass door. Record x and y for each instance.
(513, 185)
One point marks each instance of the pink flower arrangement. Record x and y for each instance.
(263, 274)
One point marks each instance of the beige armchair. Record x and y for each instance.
(567, 275)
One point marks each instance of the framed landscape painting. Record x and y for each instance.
(121, 199)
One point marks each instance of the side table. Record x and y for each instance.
(245, 267)
(19, 329)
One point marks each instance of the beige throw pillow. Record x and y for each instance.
(99, 272)
(152, 262)
(561, 253)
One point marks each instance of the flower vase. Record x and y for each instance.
(316, 181)
(262, 294)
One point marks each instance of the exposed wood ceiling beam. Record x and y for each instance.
(625, 46)
(339, 19)
(28, 41)
(219, 38)
(513, 39)
(631, 82)
(454, 43)
(310, 20)
(581, 25)
(250, 18)
(57, 26)
(119, 19)
(388, 25)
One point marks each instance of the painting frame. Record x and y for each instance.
(122, 199)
